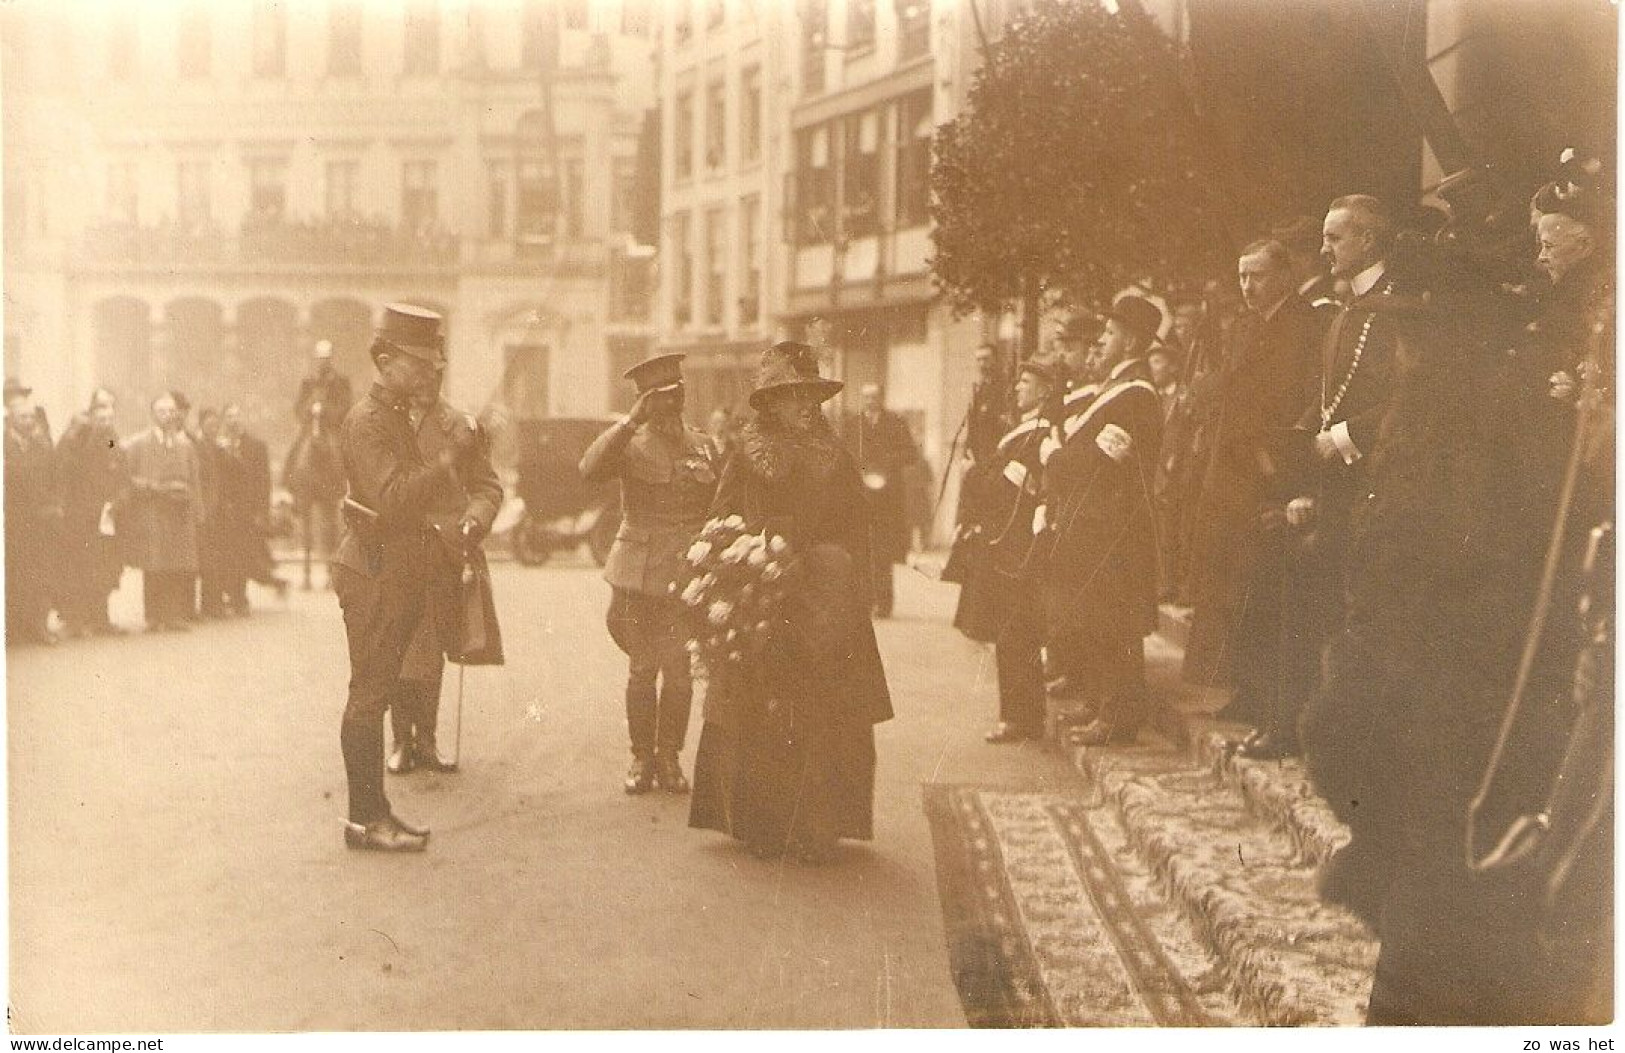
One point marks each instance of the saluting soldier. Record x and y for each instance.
(386, 562)
(668, 475)
(1099, 522)
(1013, 499)
(460, 517)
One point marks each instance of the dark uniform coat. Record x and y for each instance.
(667, 483)
(884, 451)
(1100, 531)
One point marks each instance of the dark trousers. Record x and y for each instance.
(880, 581)
(380, 616)
(167, 596)
(414, 712)
(1020, 666)
(89, 574)
(28, 576)
(659, 682)
(1112, 660)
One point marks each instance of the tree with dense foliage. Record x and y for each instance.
(1073, 169)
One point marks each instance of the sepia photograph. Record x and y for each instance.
(808, 516)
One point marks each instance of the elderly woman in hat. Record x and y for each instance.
(786, 760)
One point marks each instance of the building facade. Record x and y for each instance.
(198, 193)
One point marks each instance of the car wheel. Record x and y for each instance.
(530, 542)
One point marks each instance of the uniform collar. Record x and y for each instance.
(1367, 279)
(384, 397)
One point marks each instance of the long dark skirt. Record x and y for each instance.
(775, 778)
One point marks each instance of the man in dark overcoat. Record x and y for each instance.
(668, 474)
(95, 481)
(880, 442)
(1099, 526)
(245, 509)
(385, 564)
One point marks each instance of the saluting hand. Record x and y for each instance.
(641, 409)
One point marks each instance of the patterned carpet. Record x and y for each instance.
(1052, 921)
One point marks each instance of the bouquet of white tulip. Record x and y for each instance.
(733, 587)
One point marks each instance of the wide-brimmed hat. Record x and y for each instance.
(15, 387)
(414, 331)
(659, 373)
(787, 365)
(1138, 315)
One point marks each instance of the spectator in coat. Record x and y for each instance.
(32, 518)
(166, 506)
(95, 481)
(880, 442)
(244, 511)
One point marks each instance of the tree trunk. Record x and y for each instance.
(1029, 319)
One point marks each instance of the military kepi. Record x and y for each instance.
(660, 373)
(414, 331)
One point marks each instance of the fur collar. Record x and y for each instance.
(775, 454)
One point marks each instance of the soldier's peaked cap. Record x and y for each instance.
(1138, 315)
(415, 331)
(658, 373)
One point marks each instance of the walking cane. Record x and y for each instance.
(462, 670)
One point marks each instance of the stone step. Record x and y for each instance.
(1245, 885)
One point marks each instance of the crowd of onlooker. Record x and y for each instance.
(187, 502)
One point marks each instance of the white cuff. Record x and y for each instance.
(1040, 519)
(1016, 472)
(1345, 445)
(1047, 448)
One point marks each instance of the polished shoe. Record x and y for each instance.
(669, 774)
(415, 831)
(384, 835)
(429, 759)
(403, 760)
(1007, 732)
(1102, 733)
(640, 778)
(1266, 746)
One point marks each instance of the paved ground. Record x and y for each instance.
(177, 865)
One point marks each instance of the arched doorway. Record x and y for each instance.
(123, 353)
(193, 361)
(269, 348)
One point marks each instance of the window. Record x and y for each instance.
(750, 114)
(860, 25)
(342, 177)
(536, 35)
(268, 187)
(815, 189)
(575, 189)
(536, 205)
(716, 125)
(270, 39)
(683, 141)
(421, 54)
(122, 44)
(575, 14)
(682, 288)
(419, 200)
(715, 276)
(623, 194)
(192, 194)
(861, 175)
(496, 201)
(635, 17)
(914, 130)
(344, 39)
(750, 260)
(814, 26)
(682, 21)
(913, 28)
(122, 195)
(193, 43)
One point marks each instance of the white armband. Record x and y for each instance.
(1114, 442)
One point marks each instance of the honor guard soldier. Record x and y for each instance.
(385, 564)
(1099, 521)
(668, 475)
(1019, 606)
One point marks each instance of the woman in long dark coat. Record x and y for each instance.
(787, 759)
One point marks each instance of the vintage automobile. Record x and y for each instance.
(561, 509)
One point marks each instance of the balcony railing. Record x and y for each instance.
(360, 242)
